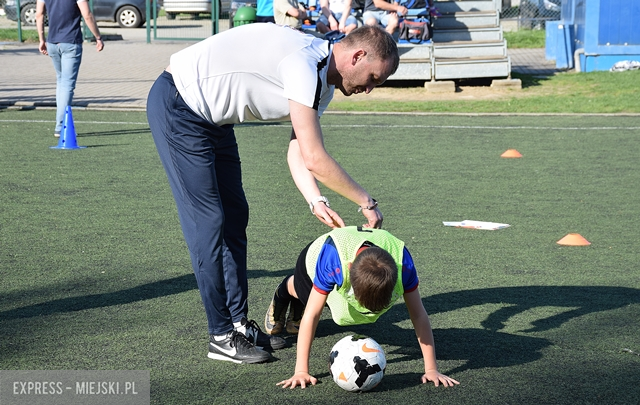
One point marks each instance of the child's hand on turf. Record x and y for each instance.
(300, 378)
(437, 378)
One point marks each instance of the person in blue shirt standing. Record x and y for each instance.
(265, 11)
(64, 45)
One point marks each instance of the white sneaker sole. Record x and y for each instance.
(216, 356)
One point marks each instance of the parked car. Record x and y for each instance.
(194, 7)
(536, 12)
(226, 8)
(127, 13)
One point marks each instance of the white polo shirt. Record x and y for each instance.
(251, 72)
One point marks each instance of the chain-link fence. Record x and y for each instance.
(531, 14)
(194, 19)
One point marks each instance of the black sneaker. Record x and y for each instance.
(275, 317)
(237, 349)
(253, 333)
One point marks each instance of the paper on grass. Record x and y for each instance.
(489, 226)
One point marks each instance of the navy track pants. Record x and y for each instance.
(203, 167)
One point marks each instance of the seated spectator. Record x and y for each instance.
(289, 12)
(336, 15)
(384, 13)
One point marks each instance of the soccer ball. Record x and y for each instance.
(357, 363)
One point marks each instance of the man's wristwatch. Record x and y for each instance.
(316, 200)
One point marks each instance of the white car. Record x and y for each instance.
(195, 7)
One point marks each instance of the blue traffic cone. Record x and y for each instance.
(68, 133)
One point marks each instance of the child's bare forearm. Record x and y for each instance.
(427, 346)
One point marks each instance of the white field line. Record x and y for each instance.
(373, 125)
(79, 122)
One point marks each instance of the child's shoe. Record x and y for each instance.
(275, 317)
(296, 310)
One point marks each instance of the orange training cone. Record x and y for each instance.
(511, 153)
(68, 133)
(573, 239)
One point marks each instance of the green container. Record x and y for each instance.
(244, 15)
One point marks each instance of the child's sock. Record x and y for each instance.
(282, 292)
(296, 310)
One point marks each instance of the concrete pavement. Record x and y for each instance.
(118, 77)
(121, 75)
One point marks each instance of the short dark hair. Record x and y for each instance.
(376, 41)
(373, 276)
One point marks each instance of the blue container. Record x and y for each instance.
(595, 34)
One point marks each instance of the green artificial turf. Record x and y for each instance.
(96, 276)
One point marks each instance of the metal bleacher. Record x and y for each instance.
(467, 43)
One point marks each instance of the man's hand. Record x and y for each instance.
(300, 378)
(333, 23)
(327, 216)
(374, 216)
(402, 11)
(43, 48)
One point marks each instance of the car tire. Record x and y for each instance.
(171, 16)
(28, 15)
(129, 17)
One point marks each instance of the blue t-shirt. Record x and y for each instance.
(329, 270)
(64, 21)
(264, 8)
